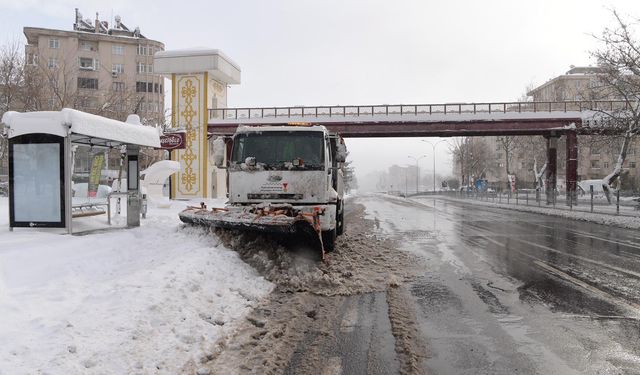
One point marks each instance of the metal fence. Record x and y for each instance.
(413, 109)
(623, 204)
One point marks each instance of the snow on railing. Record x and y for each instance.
(231, 114)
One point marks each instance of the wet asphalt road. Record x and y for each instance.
(507, 292)
(360, 341)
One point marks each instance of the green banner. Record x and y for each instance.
(94, 177)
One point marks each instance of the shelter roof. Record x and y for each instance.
(82, 127)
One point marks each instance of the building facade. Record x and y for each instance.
(596, 156)
(97, 68)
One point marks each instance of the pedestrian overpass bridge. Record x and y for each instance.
(549, 119)
(424, 120)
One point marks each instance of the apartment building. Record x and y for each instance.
(98, 68)
(595, 157)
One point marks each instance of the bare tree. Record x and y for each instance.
(619, 60)
(11, 81)
(472, 156)
(11, 76)
(459, 152)
(508, 144)
(535, 148)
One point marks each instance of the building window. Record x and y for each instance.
(141, 87)
(595, 151)
(595, 163)
(605, 164)
(88, 103)
(118, 86)
(32, 59)
(53, 63)
(87, 63)
(88, 83)
(117, 68)
(87, 46)
(144, 68)
(54, 43)
(117, 49)
(142, 50)
(632, 164)
(155, 87)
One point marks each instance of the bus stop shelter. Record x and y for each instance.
(40, 162)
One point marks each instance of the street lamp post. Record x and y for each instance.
(433, 148)
(417, 169)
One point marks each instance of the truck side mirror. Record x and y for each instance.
(218, 152)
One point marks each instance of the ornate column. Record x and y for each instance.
(199, 79)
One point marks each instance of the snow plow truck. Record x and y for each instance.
(285, 179)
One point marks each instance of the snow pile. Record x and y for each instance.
(154, 299)
(361, 263)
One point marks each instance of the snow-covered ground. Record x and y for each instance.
(146, 300)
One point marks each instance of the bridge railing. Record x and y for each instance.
(412, 109)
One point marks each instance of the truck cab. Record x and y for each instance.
(296, 165)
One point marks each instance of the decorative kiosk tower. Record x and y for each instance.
(199, 81)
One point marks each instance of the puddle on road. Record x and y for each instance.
(560, 297)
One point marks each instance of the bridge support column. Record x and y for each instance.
(572, 167)
(199, 80)
(552, 167)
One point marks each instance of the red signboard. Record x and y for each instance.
(172, 141)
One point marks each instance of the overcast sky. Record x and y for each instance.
(302, 52)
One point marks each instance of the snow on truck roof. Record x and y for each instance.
(92, 129)
(277, 128)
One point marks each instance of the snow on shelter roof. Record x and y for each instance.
(83, 127)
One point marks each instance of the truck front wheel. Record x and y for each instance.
(340, 218)
(329, 240)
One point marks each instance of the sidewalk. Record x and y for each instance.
(576, 213)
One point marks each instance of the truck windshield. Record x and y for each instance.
(277, 149)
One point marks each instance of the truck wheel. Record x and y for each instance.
(340, 218)
(329, 240)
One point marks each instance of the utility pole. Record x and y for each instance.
(433, 148)
(417, 169)
(405, 182)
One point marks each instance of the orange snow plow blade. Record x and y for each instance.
(277, 219)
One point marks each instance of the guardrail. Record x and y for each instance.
(588, 202)
(413, 109)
